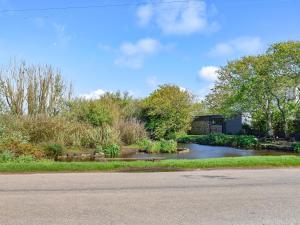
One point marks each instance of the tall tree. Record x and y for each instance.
(261, 86)
(32, 89)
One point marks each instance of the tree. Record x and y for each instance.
(32, 89)
(168, 111)
(261, 87)
(284, 79)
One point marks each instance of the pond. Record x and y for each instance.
(204, 151)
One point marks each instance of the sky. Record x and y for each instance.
(137, 45)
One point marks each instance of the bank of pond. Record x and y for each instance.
(212, 146)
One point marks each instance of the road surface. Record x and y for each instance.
(208, 197)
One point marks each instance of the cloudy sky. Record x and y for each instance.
(136, 45)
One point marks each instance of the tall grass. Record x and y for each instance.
(131, 131)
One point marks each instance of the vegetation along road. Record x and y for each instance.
(220, 197)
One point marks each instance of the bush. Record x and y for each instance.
(154, 147)
(168, 111)
(296, 147)
(162, 146)
(98, 149)
(168, 146)
(131, 131)
(6, 156)
(186, 139)
(44, 129)
(53, 150)
(26, 149)
(246, 141)
(112, 151)
(25, 159)
(219, 139)
(144, 144)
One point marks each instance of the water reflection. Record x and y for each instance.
(205, 151)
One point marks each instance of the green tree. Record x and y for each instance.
(263, 87)
(168, 111)
(93, 112)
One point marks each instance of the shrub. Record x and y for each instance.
(168, 111)
(246, 141)
(219, 139)
(185, 139)
(112, 151)
(20, 149)
(98, 149)
(168, 146)
(44, 129)
(131, 131)
(154, 147)
(25, 159)
(6, 156)
(144, 144)
(296, 147)
(53, 150)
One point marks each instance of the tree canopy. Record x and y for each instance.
(168, 111)
(265, 87)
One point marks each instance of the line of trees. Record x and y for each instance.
(32, 89)
(37, 108)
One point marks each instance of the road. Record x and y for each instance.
(208, 197)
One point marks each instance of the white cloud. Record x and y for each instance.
(133, 54)
(241, 45)
(93, 95)
(209, 73)
(182, 17)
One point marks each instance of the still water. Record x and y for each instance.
(204, 151)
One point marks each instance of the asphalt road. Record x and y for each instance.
(218, 197)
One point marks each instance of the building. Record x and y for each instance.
(216, 124)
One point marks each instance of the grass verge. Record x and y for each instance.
(169, 165)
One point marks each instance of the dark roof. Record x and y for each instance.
(209, 116)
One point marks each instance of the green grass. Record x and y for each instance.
(238, 162)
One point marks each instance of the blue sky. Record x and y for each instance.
(136, 45)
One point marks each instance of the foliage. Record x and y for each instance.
(98, 149)
(32, 89)
(296, 147)
(154, 147)
(131, 131)
(162, 146)
(168, 146)
(264, 87)
(27, 149)
(53, 150)
(25, 159)
(143, 144)
(168, 111)
(6, 156)
(45, 129)
(112, 150)
(94, 112)
(245, 141)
